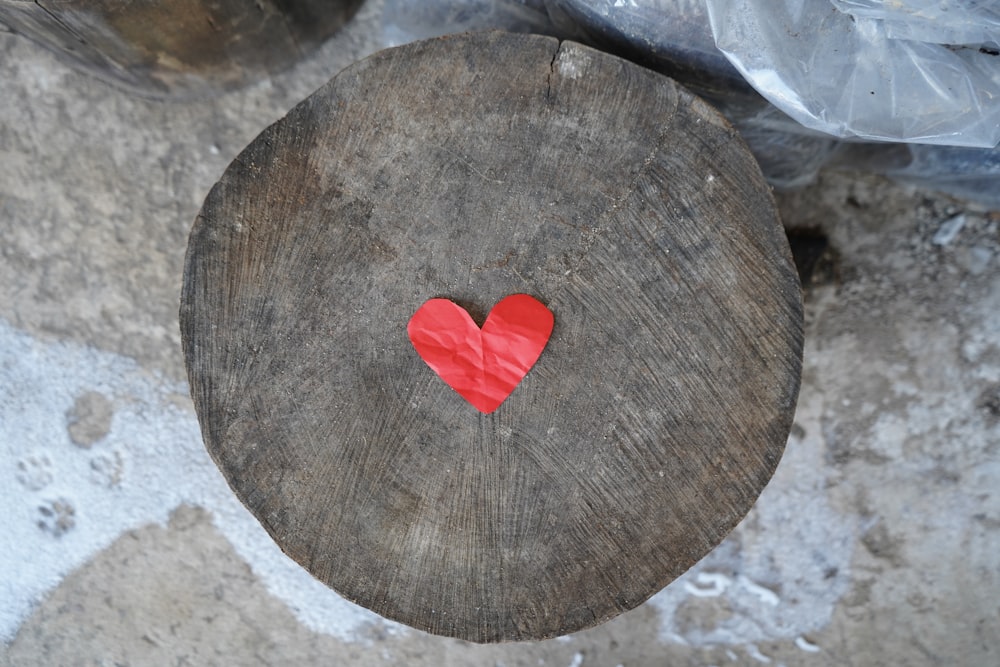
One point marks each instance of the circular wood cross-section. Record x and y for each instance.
(473, 168)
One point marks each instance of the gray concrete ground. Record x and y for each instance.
(875, 544)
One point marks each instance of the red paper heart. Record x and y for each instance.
(482, 365)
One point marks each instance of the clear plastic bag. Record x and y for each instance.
(787, 159)
(935, 21)
(870, 69)
(674, 37)
(968, 173)
(409, 20)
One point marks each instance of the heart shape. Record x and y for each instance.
(482, 365)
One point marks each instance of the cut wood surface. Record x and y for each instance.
(179, 48)
(472, 168)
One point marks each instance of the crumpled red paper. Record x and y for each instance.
(482, 365)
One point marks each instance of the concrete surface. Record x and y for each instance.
(875, 543)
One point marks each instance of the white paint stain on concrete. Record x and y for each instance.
(755, 653)
(709, 584)
(805, 645)
(62, 504)
(765, 595)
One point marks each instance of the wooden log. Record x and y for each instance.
(472, 168)
(180, 48)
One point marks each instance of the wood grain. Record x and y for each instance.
(472, 168)
(180, 48)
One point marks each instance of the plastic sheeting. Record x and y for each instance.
(830, 73)
(869, 69)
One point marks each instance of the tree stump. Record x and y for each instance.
(179, 48)
(472, 168)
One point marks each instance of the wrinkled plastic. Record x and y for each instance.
(968, 173)
(868, 69)
(674, 37)
(932, 21)
(788, 159)
(483, 365)
(411, 20)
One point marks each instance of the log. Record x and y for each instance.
(471, 168)
(182, 48)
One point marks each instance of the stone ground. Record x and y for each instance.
(875, 543)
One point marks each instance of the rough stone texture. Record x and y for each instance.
(875, 543)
